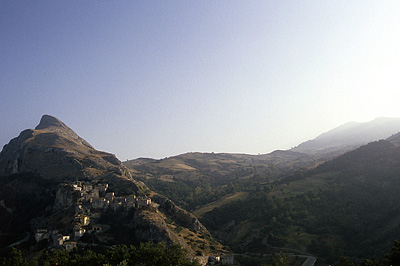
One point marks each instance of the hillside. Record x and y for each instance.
(346, 206)
(53, 181)
(195, 179)
(395, 139)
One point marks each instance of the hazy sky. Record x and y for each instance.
(160, 78)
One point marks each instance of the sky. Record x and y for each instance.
(161, 78)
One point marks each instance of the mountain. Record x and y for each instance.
(57, 152)
(53, 181)
(350, 136)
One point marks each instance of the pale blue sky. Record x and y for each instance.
(160, 78)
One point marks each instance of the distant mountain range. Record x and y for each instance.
(326, 146)
(350, 136)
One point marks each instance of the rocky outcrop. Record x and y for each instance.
(183, 217)
(150, 226)
(65, 196)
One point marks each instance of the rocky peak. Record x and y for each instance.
(53, 124)
(48, 121)
(55, 151)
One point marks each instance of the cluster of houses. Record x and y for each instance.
(95, 197)
(58, 240)
(225, 259)
(89, 199)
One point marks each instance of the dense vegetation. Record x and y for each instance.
(161, 255)
(330, 221)
(390, 259)
(145, 254)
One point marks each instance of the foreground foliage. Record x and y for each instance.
(146, 254)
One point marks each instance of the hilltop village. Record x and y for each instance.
(89, 199)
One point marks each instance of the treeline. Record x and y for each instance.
(146, 254)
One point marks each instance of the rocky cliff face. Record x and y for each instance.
(65, 197)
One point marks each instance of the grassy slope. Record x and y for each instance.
(221, 202)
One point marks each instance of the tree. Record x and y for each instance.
(394, 255)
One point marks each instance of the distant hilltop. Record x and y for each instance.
(351, 135)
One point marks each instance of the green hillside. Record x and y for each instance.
(348, 206)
